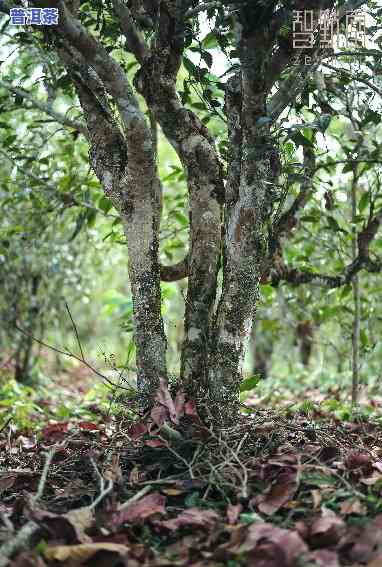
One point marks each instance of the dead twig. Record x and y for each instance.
(72, 355)
(103, 489)
(136, 497)
(21, 540)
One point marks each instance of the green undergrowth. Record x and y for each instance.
(30, 407)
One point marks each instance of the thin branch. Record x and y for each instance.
(23, 536)
(354, 77)
(72, 355)
(175, 272)
(104, 490)
(136, 497)
(134, 39)
(75, 330)
(44, 475)
(19, 542)
(46, 108)
(350, 161)
(356, 295)
(192, 12)
(66, 198)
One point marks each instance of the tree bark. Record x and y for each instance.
(125, 162)
(253, 171)
(196, 149)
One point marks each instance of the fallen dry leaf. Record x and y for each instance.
(233, 513)
(373, 479)
(280, 494)
(69, 527)
(316, 497)
(353, 506)
(172, 491)
(155, 443)
(145, 507)
(284, 546)
(78, 554)
(326, 530)
(163, 396)
(357, 460)
(82, 519)
(137, 430)
(193, 517)
(324, 558)
(7, 480)
(55, 431)
(179, 403)
(88, 426)
(190, 408)
(158, 415)
(367, 543)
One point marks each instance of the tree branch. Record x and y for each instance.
(134, 39)
(156, 81)
(362, 261)
(192, 12)
(354, 77)
(176, 272)
(288, 220)
(46, 108)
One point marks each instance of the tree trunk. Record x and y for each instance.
(253, 171)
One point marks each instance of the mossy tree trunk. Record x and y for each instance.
(231, 203)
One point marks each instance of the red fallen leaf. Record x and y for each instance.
(324, 558)
(329, 453)
(356, 460)
(87, 425)
(190, 408)
(361, 546)
(193, 517)
(302, 529)
(158, 415)
(326, 530)
(285, 542)
(163, 396)
(70, 527)
(155, 443)
(280, 494)
(233, 513)
(144, 508)
(137, 430)
(267, 554)
(7, 480)
(179, 403)
(55, 430)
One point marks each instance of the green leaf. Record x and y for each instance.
(364, 339)
(249, 383)
(345, 291)
(207, 58)
(300, 140)
(333, 224)
(210, 41)
(105, 204)
(363, 202)
(181, 218)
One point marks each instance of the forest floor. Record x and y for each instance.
(300, 489)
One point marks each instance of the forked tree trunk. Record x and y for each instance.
(229, 222)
